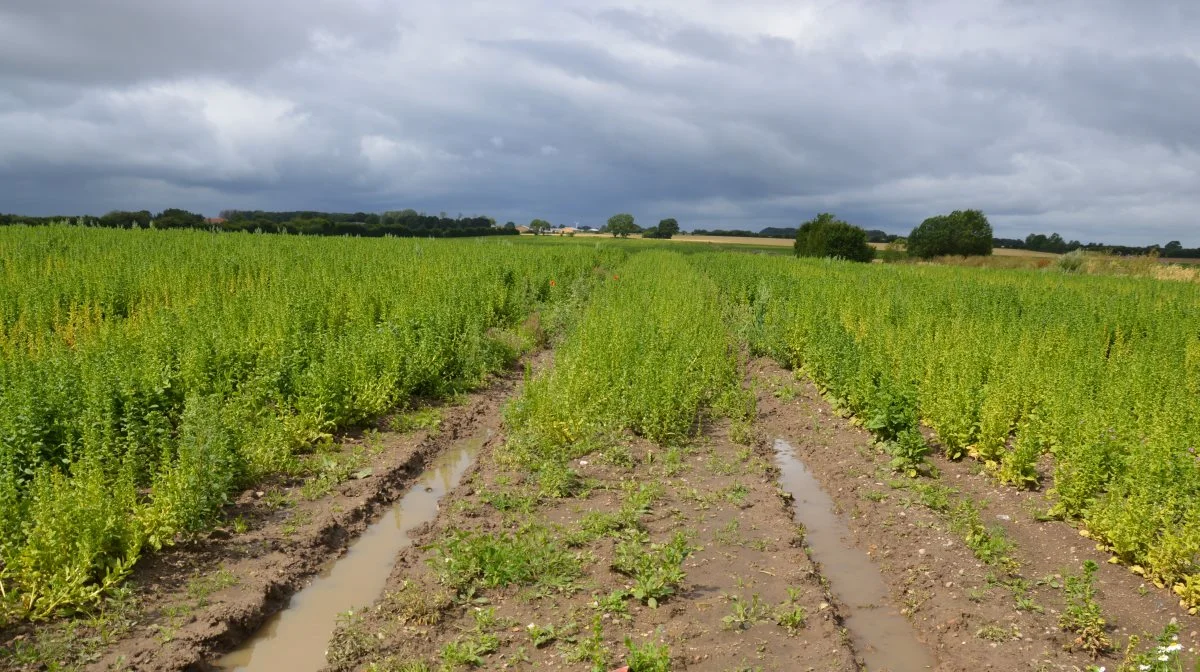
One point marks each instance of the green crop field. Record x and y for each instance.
(146, 377)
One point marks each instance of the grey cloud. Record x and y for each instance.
(119, 41)
(1074, 116)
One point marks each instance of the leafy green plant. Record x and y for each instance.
(648, 656)
(466, 560)
(541, 635)
(934, 496)
(590, 649)
(791, 616)
(469, 651)
(657, 571)
(744, 614)
(890, 413)
(908, 452)
(989, 544)
(1082, 616)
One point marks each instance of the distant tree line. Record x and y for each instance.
(1040, 242)
(400, 223)
(410, 223)
(873, 235)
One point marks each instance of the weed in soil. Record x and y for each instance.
(530, 556)
(1082, 616)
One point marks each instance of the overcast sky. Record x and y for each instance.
(1076, 116)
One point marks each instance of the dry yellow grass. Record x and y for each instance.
(998, 252)
(737, 240)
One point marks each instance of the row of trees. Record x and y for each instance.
(399, 223)
(1040, 242)
(962, 232)
(621, 225)
(873, 235)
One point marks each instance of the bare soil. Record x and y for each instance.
(722, 494)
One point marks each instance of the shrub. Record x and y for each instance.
(1071, 261)
(827, 236)
(962, 232)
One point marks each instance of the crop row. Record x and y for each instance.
(650, 355)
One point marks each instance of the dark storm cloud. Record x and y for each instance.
(1071, 116)
(122, 41)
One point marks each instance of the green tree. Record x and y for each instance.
(962, 232)
(539, 226)
(622, 225)
(174, 218)
(828, 236)
(666, 228)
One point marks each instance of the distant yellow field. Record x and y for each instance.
(724, 240)
(737, 240)
(999, 252)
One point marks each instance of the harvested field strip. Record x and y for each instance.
(1101, 373)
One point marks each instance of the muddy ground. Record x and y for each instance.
(751, 597)
(723, 496)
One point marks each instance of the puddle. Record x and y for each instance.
(295, 639)
(883, 638)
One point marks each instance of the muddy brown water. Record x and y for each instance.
(295, 639)
(883, 638)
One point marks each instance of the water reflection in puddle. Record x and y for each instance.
(883, 638)
(295, 639)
